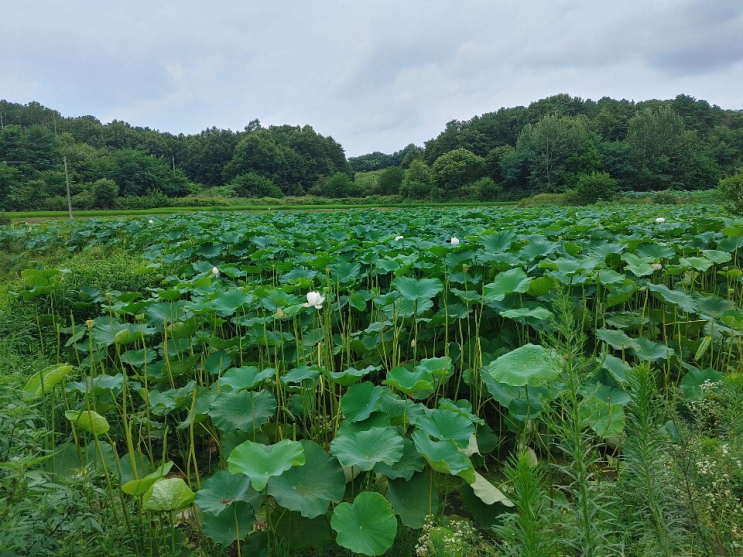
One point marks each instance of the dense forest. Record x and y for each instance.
(552, 146)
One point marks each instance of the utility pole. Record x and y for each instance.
(67, 180)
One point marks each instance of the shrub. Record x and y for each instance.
(486, 189)
(593, 187)
(251, 184)
(731, 189)
(667, 197)
(104, 192)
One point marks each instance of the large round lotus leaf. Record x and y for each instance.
(234, 523)
(507, 282)
(248, 377)
(311, 488)
(528, 365)
(222, 489)
(349, 376)
(365, 448)
(168, 494)
(261, 462)
(675, 297)
(488, 493)
(606, 419)
(417, 289)
(366, 526)
(409, 382)
(51, 375)
(410, 463)
(360, 401)
(88, 420)
(692, 383)
(227, 303)
(413, 499)
(444, 456)
(647, 349)
(446, 425)
(142, 485)
(244, 410)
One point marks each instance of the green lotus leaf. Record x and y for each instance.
(462, 407)
(228, 303)
(138, 358)
(438, 367)
(248, 377)
(417, 289)
(223, 489)
(616, 339)
(141, 486)
(88, 420)
(52, 376)
(309, 489)
(410, 463)
(537, 313)
(414, 499)
(447, 425)
(603, 417)
(349, 376)
(697, 263)
(367, 526)
(409, 382)
(488, 493)
(541, 286)
(300, 374)
(366, 448)
(243, 410)
(444, 456)
(675, 297)
(646, 349)
(695, 382)
(499, 242)
(231, 525)
(530, 365)
(507, 282)
(261, 462)
(361, 400)
(167, 494)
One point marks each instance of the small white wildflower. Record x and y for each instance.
(454, 241)
(215, 271)
(398, 238)
(314, 299)
(656, 266)
(660, 220)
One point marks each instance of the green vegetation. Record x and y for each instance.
(682, 144)
(431, 381)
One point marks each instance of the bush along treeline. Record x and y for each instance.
(587, 150)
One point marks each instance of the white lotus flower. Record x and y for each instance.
(150, 221)
(660, 219)
(656, 266)
(314, 299)
(215, 271)
(454, 241)
(398, 238)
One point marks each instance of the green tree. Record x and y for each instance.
(390, 180)
(593, 187)
(104, 193)
(255, 185)
(555, 150)
(455, 170)
(666, 155)
(340, 185)
(418, 182)
(731, 189)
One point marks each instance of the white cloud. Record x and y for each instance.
(376, 75)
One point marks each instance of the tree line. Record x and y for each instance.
(561, 142)
(557, 144)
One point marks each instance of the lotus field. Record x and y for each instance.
(484, 381)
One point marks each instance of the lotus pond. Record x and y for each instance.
(541, 381)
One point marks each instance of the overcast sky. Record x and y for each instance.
(375, 75)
